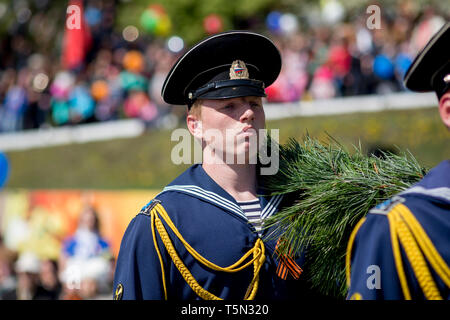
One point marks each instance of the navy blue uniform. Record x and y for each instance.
(375, 270)
(211, 221)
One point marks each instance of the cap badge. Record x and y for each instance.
(447, 78)
(238, 70)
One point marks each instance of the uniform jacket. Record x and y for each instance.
(212, 222)
(374, 272)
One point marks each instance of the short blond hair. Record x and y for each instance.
(196, 109)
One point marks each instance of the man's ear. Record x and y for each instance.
(444, 109)
(194, 126)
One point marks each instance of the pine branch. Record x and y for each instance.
(333, 189)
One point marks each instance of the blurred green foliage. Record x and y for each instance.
(187, 15)
(144, 161)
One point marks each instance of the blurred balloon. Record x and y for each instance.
(81, 103)
(132, 81)
(138, 105)
(4, 169)
(364, 40)
(155, 20)
(133, 61)
(212, 24)
(93, 16)
(163, 26)
(62, 84)
(383, 67)
(288, 23)
(273, 21)
(175, 44)
(332, 11)
(402, 63)
(60, 111)
(149, 20)
(158, 8)
(130, 33)
(99, 90)
(40, 82)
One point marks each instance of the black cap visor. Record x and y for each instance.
(422, 74)
(226, 89)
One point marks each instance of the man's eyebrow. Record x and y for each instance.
(252, 99)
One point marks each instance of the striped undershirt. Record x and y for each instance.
(252, 210)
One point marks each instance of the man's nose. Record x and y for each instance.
(247, 112)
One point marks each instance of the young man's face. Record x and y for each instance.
(230, 127)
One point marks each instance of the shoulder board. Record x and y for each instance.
(149, 206)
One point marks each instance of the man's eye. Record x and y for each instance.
(228, 106)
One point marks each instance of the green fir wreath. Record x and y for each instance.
(332, 189)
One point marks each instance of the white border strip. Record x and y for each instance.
(368, 103)
(441, 192)
(40, 138)
(30, 139)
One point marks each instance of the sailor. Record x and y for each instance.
(201, 237)
(400, 250)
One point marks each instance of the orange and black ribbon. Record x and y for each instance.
(286, 264)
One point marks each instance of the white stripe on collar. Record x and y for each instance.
(442, 192)
(213, 197)
(272, 206)
(208, 195)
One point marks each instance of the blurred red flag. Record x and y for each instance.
(77, 36)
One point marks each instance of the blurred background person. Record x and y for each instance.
(27, 269)
(85, 258)
(50, 286)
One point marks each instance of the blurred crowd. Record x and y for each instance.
(42, 84)
(348, 59)
(83, 270)
(122, 72)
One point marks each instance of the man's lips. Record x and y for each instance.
(246, 128)
(248, 131)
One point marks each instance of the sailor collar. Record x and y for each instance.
(197, 183)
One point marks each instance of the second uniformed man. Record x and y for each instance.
(401, 249)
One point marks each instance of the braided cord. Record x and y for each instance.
(433, 256)
(398, 256)
(348, 256)
(414, 254)
(258, 259)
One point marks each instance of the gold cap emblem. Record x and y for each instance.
(447, 78)
(238, 70)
